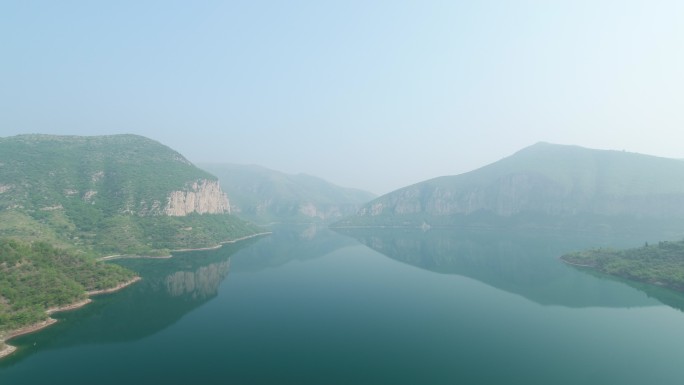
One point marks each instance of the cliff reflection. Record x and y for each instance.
(200, 284)
(170, 289)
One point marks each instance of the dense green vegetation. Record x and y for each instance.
(660, 264)
(37, 276)
(65, 200)
(103, 194)
(266, 196)
(126, 171)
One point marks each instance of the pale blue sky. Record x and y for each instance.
(367, 94)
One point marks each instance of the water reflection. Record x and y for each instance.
(171, 288)
(288, 244)
(521, 262)
(200, 284)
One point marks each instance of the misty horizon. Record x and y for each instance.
(372, 96)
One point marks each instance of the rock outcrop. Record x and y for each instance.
(202, 197)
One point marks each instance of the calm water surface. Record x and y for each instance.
(310, 306)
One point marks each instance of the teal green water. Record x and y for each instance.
(310, 306)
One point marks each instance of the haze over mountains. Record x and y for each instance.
(102, 191)
(126, 194)
(267, 196)
(544, 184)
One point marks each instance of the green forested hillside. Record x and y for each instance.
(35, 277)
(106, 194)
(113, 173)
(67, 199)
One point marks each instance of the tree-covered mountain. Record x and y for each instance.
(266, 196)
(542, 185)
(64, 199)
(110, 194)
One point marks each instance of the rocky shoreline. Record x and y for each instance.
(9, 349)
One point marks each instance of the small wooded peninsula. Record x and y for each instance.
(659, 264)
(67, 200)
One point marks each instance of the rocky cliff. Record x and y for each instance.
(202, 197)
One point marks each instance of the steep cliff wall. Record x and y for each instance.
(202, 197)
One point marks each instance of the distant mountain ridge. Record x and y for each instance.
(110, 194)
(543, 180)
(266, 196)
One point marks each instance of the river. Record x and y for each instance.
(313, 306)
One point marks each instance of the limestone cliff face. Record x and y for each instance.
(202, 197)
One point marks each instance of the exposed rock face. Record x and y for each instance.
(202, 197)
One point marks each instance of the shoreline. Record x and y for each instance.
(222, 243)
(9, 349)
(123, 256)
(574, 263)
(132, 256)
(113, 289)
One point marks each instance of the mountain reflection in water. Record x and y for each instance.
(174, 287)
(521, 262)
